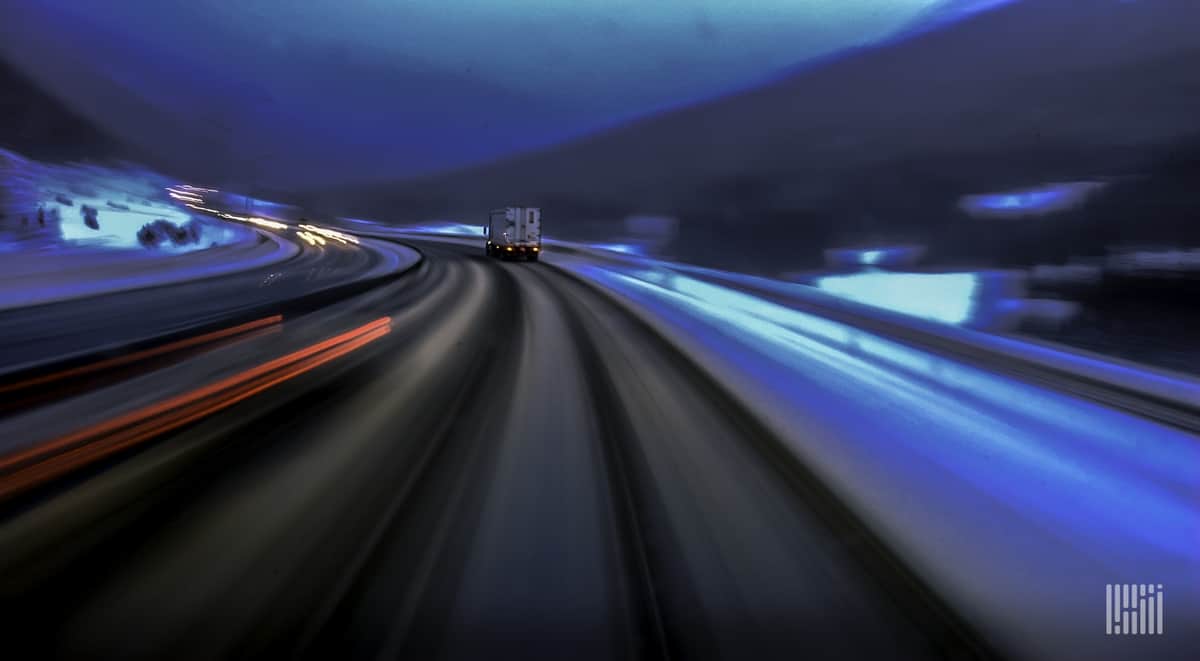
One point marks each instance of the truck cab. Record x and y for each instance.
(514, 233)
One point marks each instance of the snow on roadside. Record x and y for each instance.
(77, 207)
(71, 230)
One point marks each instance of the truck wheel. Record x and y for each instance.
(532, 258)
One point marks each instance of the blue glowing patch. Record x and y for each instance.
(447, 229)
(626, 248)
(946, 297)
(1041, 200)
(1030, 200)
(895, 257)
(871, 256)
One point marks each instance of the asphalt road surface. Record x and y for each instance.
(54, 331)
(518, 469)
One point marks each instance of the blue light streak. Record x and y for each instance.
(624, 248)
(895, 425)
(1041, 200)
(447, 229)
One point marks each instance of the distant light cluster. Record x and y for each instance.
(313, 235)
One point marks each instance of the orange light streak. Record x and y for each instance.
(28, 468)
(205, 338)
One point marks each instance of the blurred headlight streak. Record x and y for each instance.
(136, 356)
(197, 207)
(27, 469)
(330, 234)
(261, 222)
(185, 197)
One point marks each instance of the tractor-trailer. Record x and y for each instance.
(514, 233)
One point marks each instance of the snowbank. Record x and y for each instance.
(71, 230)
(77, 206)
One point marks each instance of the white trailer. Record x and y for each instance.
(514, 232)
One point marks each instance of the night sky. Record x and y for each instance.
(295, 94)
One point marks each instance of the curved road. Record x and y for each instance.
(519, 469)
(63, 329)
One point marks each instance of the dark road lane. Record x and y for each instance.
(519, 469)
(62, 330)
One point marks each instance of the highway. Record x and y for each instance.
(516, 467)
(476, 459)
(80, 325)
